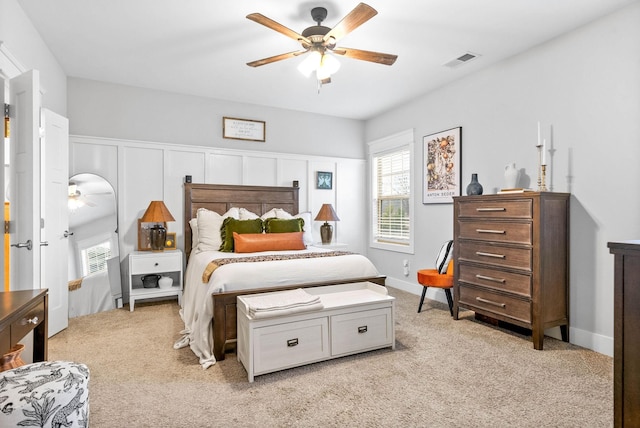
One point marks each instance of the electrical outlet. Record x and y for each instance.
(405, 265)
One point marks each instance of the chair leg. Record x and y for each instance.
(447, 292)
(424, 293)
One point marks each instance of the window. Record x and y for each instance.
(94, 259)
(390, 162)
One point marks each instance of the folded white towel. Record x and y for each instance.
(281, 300)
(286, 311)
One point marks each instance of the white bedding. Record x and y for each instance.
(197, 305)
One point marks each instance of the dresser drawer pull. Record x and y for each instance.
(497, 256)
(490, 278)
(480, 299)
(497, 232)
(484, 210)
(362, 329)
(292, 342)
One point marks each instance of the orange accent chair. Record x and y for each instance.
(432, 278)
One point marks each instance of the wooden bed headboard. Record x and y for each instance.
(221, 197)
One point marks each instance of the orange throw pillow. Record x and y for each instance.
(256, 242)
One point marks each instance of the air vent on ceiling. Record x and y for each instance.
(462, 59)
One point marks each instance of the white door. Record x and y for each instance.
(2, 184)
(54, 147)
(24, 190)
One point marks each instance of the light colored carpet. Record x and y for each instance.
(443, 373)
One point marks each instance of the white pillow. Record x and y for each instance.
(307, 236)
(245, 214)
(194, 233)
(273, 212)
(209, 223)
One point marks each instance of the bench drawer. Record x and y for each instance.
(359, 331)
(291, 344)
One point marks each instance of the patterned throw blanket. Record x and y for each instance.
(215, 264)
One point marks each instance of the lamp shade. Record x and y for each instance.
(157, 213)
(327, 213)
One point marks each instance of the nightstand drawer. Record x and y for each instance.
(291, 344)
(30, 320)
(156, 263)
(496, 231)
(495, 303)
(497, 209)
(359, 331)
(496, 255)
(496, 279)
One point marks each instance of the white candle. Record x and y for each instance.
(544, 151)
(538, 144)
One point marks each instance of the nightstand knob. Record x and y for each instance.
(156, 264)
(33, 320)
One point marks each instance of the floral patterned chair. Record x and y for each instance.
(45, 394)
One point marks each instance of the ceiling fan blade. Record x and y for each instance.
(379, 57)
(358, 16)
(275, 58)
(270, 23)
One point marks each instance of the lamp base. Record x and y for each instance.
(326, 233)
(157, 235)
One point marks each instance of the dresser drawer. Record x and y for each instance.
(496, 231)
(521, 209)
(359, 331)
(34, 316)
(495, 303)
(496, 279)
(156, 263)
(496, 255)
(291, 344)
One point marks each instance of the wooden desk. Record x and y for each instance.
(21, 312)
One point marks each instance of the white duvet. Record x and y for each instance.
(197, 305)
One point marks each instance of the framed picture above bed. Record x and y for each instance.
(441, 163)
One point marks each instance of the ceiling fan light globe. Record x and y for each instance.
(328, 66)
(310, 63)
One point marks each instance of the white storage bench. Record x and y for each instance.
(355, 318)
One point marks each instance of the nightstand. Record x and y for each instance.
(336, 246)
(165, 263)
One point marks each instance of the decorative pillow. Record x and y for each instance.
(272, 213)
(230, 225)
(444, 257)
(282, 225)
(245, 214)
(307, 226)
(194, 233)
(209, 223)
(256, 242)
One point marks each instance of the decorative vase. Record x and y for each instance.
(511, 175)
(12, 359)
(474, 188)
(326, 233)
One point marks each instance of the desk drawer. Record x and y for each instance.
(32, 318)
(501, 304)
(496, 279)
(497, 209)
(359, 331)
(496, 255)
(291, 344)
(155, 264)
(497, 231)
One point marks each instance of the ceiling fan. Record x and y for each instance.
(77, 199)
(320, 42)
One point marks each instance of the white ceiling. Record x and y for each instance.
(201, 47)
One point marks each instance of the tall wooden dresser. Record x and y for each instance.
(512, 259)
(626, 338)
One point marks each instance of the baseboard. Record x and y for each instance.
(586, 339)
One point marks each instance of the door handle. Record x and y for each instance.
(28, 245)
(67, 234)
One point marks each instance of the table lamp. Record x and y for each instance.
(326, 214)
(157, 213)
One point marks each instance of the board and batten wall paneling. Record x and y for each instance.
(259, 171)
(99, 159)
(351, 205)
(223, 169)
(290, 170)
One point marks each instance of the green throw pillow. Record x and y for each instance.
(230, 225)
(283, 225)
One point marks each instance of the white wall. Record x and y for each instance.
(584, 87)
(115, 111)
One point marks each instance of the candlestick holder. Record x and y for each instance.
(542, 185)
(540, 180)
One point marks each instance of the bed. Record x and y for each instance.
(211, 343)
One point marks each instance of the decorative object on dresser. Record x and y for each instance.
(20, 313)
(157, 213)
(511, 175)
(351, 318)
(146, 269)
(441, 160)
(626, 340)
(326, 214)
(512, 259)
(474, 187)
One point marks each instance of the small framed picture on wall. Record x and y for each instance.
(324, 180)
